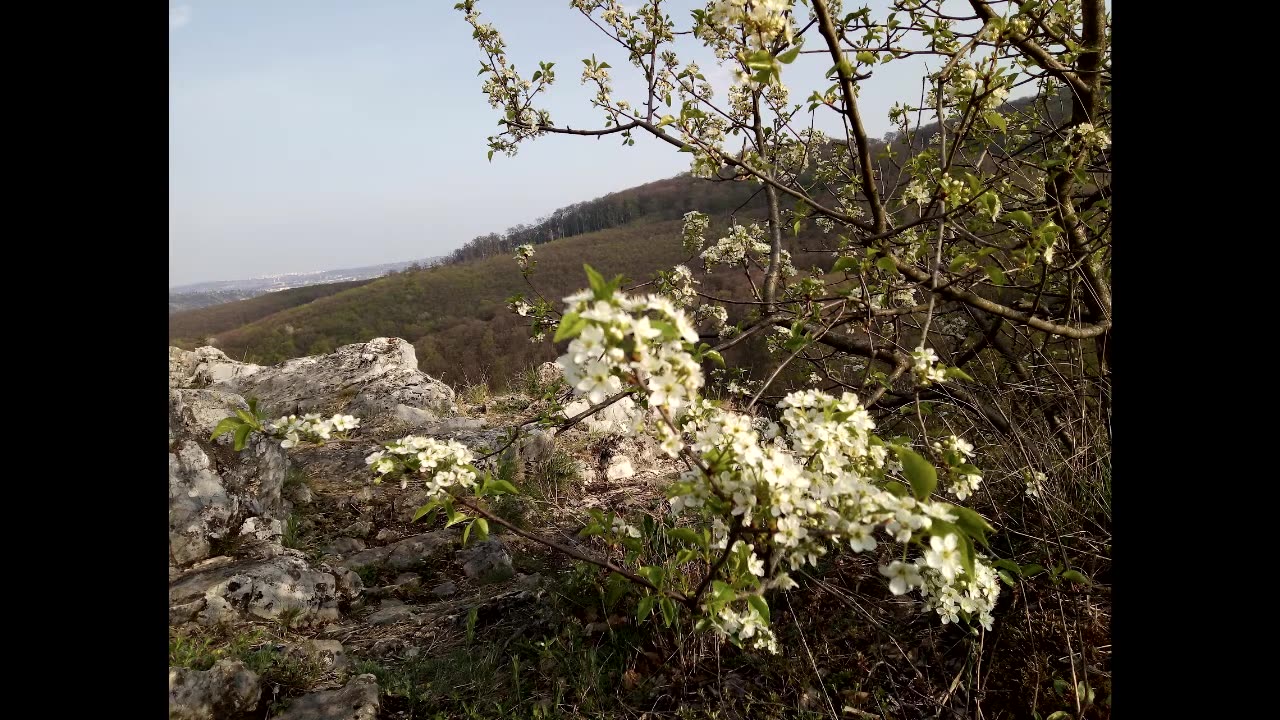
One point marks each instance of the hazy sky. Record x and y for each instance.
(320, 134)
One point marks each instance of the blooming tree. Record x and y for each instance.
(971, 247)
(963, 262)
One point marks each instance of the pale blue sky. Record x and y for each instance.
(320, 134)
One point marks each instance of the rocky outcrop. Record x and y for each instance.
(200, 508)
(226, 690)
(213, 490)
(205, 366)
(268, 588)
(367, 380)
(617, 419)
(357, 700)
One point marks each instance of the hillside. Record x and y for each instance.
(196, 326)
(456, 315)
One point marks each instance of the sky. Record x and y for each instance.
(310, 135)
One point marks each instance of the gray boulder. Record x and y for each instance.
(367, 380)
(205, 366)
(200, 508)
(266, 588)
(406, 553)
(486, 562)
(357, 700)
(228, 689)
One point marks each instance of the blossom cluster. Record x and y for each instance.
(445, 463)
(763, 21)
(1035, 483)
(963, 478)
(677, 284)
(924, 361)
(311, 427)
(642, 342)
(694, 231)
(813, 481)
(524, 258)
(743, 245)
(1089, 136)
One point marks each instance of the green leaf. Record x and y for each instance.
(1060, 715)
(666, 120)
(972, 523)
(668, 608)
(1076, 576)
(428, 508)
(570, 325)
(760, 60)
(1009, 565)
(965, 544)
(955, 372)
(996, 274)
(686, 535)
(226, 425)
(866, 58)
(921, 474)
(645, 607)
(1031, 570)
(845, 264)
(1022, 217)
(455, 517)
(598, 284)
(995, 119)
(242, 435)
(502, 487)
(483, 526)
(896, 488)
(790, 56)
(668, 330)
(715, 357)
(886, 263)
(466, 532)
(721, 591)
(652, 574)
(760, 606)
(1005, 578)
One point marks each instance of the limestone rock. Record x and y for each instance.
(260, 530)
(357, 700)
(619, 468)
(364, 379)
(198, 412)
(406, 553)
(227, 689)
(205, 366)
(486, 562)
(330, 653)
(549, 372)
(345, 546)
(413, 417)
(265, 588)
(538, 446)
(258, 477)
(617, 419)
(200, 508)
